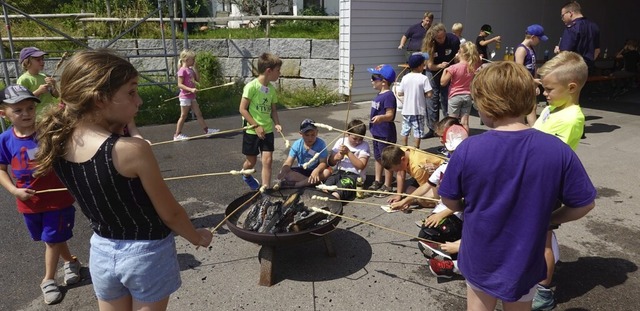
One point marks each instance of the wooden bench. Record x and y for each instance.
(605, 84)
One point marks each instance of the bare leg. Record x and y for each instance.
(405, 140)
(124, 304)
(196, 110)
(416, 142)
(151, 306)
(51, 255)
(184, 112)
(549, 259)
(480, 301)
(388, 177)
(266, 168)
(378, 171)
(464, 120)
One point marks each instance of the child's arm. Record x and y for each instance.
(22, 194)
(184, 87)
(454, 205)
(386, 117)
(428, 94)
(358, 163)
(274, 117)
(445, 78)
(286, 167)
(136, 159)
(400, 176)
(451, 247)
(316, 174)
(520, 54)
(196, 75)
(434, 219)
(567, 214)
(244, 111)
(404, 203)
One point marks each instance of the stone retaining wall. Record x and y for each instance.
(306, 63)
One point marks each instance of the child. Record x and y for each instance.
(302, 151)
(187, 78)
(418, 165)
(43, 212)
(350, 156)
(41, 85)
(382, 127)
(258, 108)
(562, 78)
(130, 208)
(460, 75)
(526, 55)
(397, 160)
(457, 28)
(496, 172)
(416, 88)
(482, 42)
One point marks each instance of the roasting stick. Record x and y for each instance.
(334, 188)
(231, 172)
(260, 191)
(331, 128)
(287, 143)
(319, 198)
(319, 210)
(205, 89)
(204, 135)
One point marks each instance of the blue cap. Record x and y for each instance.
(386, 71)
(538, 31)
(416, 60)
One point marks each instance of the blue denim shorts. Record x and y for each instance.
(147, 270)
(53, 226)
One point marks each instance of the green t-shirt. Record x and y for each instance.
(32, 83)
(566, 124)
(260, 100)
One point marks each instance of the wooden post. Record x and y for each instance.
(266, 257)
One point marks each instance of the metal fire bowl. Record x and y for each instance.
(234, 223)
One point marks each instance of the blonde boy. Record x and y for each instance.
(563, 78)
(258, 108)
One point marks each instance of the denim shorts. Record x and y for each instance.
(147, 270)
(51, 227)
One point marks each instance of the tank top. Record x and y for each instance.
(529, 59)
(117, 206)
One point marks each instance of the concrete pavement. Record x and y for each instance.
(374, 269)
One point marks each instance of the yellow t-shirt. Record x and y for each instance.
(566, 124)
(417, 168)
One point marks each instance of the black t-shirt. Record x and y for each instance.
(482, 50)
(445, 52)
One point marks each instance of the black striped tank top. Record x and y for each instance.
(117, 206)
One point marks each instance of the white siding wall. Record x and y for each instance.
(370, 31)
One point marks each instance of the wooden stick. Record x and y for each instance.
(334, 188)
(331, 128)
(232, 172)
(205, 89)
(204, 135)
(262, 189)
(319, 210)
(287, 143)
(319, 198)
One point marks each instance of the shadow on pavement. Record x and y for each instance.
(579, 277)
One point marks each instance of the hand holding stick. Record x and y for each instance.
(205, 89)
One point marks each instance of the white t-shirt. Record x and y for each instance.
(360, 151)
(435, 179)
(413, 85)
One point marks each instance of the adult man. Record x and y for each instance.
(580, 35)
(442, 47)
(415, 34)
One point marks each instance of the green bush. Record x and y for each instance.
(309, 97)
(209, 69)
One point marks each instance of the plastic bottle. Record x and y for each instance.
(512, 55)
(506, 53)
(497, 45)
(359, 188)
(605, 53)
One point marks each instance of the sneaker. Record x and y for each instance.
(441, 268)
(72, 272)
(251, 182)
(375, 185)
(50, 292)
(212, 131)
(543, 300)
(180, 137)
(385, 189)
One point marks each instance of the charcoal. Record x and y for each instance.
(256, 214)
(273, 215)
(306, 219)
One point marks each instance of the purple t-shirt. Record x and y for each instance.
(510, 182)
(379, 106)
(415, 34)
(583, 37)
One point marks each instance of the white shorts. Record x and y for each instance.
(186, 102)
(526, 297)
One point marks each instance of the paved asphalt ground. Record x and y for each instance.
(373, 269)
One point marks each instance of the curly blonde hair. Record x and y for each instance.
(469, 53)
(89, 76)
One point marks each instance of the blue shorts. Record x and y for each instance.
(51, 227)
(147, 270)
(415, 122)
(378, 146)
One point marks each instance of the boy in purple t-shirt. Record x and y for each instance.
(383, 113)
(496, 173)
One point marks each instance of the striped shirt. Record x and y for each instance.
(117, 206)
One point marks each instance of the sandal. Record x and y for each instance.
(385, 189)
(375, 185)
(50, 292)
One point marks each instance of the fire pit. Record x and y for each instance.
(270, 241)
